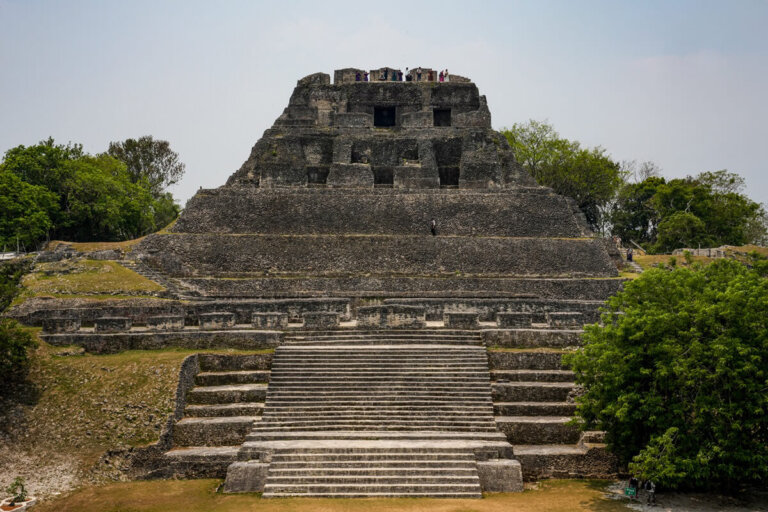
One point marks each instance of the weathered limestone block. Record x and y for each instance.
(500, 475)
(247, 476)
(423, 119)
(56, 325)
(112, 324)
(514, 320)
(352, 120)
(216, 320)
(568, 319)
(461, 320)
(415, 176)
(269, 320)
(347, 75)
(392, 316)
(350, 175)
(166, 322)
(320, 320)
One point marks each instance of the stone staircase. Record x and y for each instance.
(173, 287)
(377, 413)
(226, 400)
(533, 404)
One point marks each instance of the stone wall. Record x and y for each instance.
(522, 213)
(455, 286)
(487, 308)
(224, 255)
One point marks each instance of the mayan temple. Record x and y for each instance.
(417, 286)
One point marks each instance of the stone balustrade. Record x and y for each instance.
(216, 320)
(109, 324)
(461, 320)
(274, 320)
(320, 320)
(514, 320)
(56, 325)
(165, 323)
(391, 316)
(566, 319)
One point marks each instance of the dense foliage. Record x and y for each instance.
(56, 191)
(678, 375)
(587, 175)
(11, 272)
(14, 357)
(708, 210)
(149, 159)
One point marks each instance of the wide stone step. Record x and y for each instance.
(534, 408)
(231, 362)
(374, 435)
(373, 380)
(373, 389)
(380, 427)
(388, 341)
(227, 394)
(355, 424)
(379, 414)
(348, 492)
(223, 431)
(421, 478)
(538, 429)
(531, 391)
(566, 460)
(235, 409)
(525, 360)
(533, 375)
(235, 377)
(377, 466)
(404, 399)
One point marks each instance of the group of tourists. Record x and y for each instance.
(414, 75)
(634, 486)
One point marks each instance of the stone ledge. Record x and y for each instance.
(247, 476)
(500, 475)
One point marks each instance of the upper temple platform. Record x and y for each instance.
(420, 133)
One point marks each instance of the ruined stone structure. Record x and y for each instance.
(390, 375)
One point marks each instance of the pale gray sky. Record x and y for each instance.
(682, 83)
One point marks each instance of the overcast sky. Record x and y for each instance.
(681, 83)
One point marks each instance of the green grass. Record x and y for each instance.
(125, 245)
(83, 405)
(85, 278)
(201, 495)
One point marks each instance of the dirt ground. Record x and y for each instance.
(755, 501)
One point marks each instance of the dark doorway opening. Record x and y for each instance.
(317, 176)
(449, 177)
(384, 116)
(383, 177)
(442, 117)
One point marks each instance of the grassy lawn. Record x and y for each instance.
(126, 245)
(201, 495)
(84, 278)
(83, 405)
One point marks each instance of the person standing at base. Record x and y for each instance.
(629, 254)
(433, 227)
(650, 490)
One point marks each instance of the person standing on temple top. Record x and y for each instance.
(433, 227)
(441, 76)
(365, 76)
(394, 76)
(446, 75)
(418, 75)
(429, 76)
(357, 76)
(384, 77)
(399, 76)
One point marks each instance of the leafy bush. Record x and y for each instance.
(14, 359)
(678, 375)
(11, 273)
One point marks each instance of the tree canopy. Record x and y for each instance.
(587, 175)
(678, 375)
(707, 210)
(149, 159)
(50, 190)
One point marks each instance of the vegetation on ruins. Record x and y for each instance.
(678, 374)
(52, 190)
(14, 357)
(587, 175)
(706, 210)
(151, 160)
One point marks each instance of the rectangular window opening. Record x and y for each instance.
(384, 116)
(442, 117)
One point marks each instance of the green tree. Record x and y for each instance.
(632, 216)
(28, 211)
(681, 229)
(589, 176)
(41, 164)
(151, 160)
(677, 375)
(14, 357)
(102, 203)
